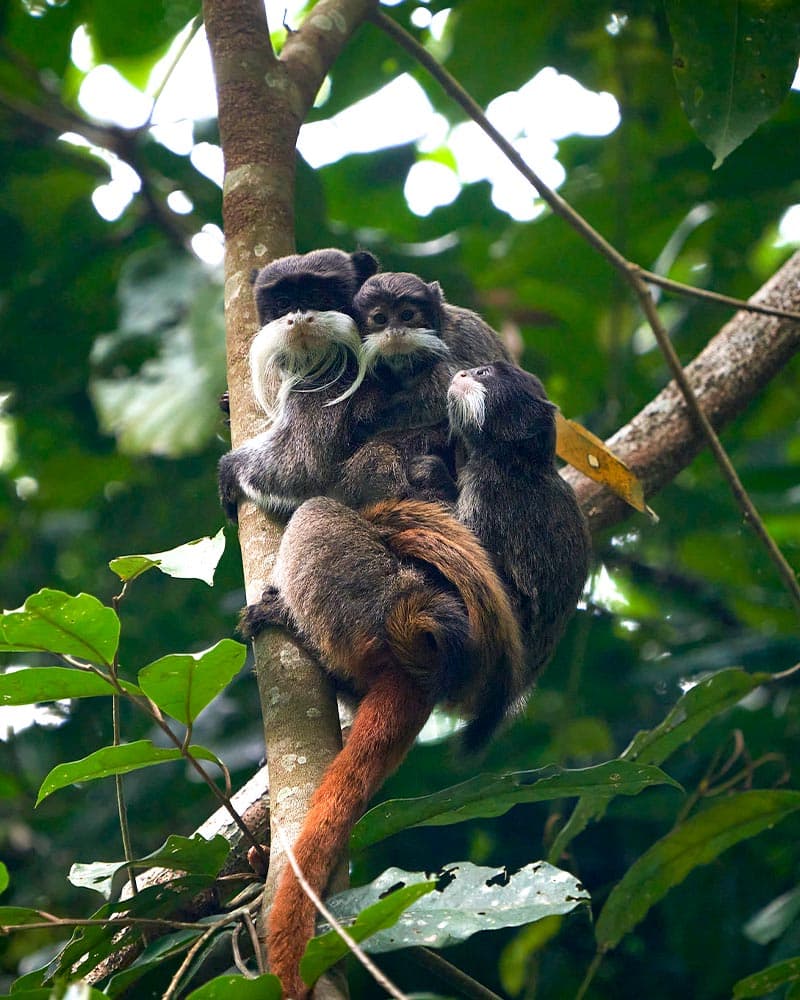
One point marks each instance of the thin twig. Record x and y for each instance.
(116, 724)
(786, 673)
(467, 986)
(189, 957)
(379, 977)
(194, 27)
(192, 952)
(258, 951)
(691, 291)
(701, 421)
(594, 965)
(632, 273)
(36, 925)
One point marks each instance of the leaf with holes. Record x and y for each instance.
(734, 62)
(327, 949)
(468, 899)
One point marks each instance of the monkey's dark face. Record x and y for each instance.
(399, 317)
(308, 334)
(501, 403)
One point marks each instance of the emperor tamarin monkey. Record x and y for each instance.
(512, 497)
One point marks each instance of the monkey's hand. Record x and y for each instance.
(230, 490)
(431, 480)
(269, 612)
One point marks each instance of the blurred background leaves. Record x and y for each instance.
(112, 358)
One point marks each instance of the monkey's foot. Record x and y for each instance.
(269, 612)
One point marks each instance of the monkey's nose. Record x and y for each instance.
(462, 374)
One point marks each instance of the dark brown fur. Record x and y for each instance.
(425, 620)
(512, 497)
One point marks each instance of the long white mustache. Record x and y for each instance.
(333, 339)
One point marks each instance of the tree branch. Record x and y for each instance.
(726, 376)
(262, 103)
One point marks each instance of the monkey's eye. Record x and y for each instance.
(380, 319)
(282, 303)
(407, 315)
(483, 371)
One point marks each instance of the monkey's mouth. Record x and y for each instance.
(397, 342)
(466, 402)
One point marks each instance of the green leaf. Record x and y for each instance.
(768, 979)
(4, 879)
(195, 560)
(168, 404)
(691, 713)
(73, 991)
(265, 987)
(153, 955)
(468, 899)
(193, 855)
(90, 945)
(129, 27)
(696, 842)
(490, 795)
(13, 916)
(97, 875)
(114, 760)
(693, 710)
(52, 621)
(35, 684)
(182, 684)
(329, 948)
(734, 62)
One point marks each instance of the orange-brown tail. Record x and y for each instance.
(428, 532)
(388, 719)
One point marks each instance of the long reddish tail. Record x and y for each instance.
(388, 719)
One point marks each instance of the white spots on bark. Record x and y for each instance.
(289, 761)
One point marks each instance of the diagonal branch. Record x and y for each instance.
(630, 272)
(726, 376)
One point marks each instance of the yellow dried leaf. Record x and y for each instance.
(587, 453)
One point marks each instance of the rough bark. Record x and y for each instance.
(263, 100)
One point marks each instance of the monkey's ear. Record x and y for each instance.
(253, 275)
(365, 264)
(437, 295)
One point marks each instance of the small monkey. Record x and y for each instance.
(308, 349)
(512, 497)
(402, 606)
(413, 342)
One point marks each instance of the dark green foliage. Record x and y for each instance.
(100, 319)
